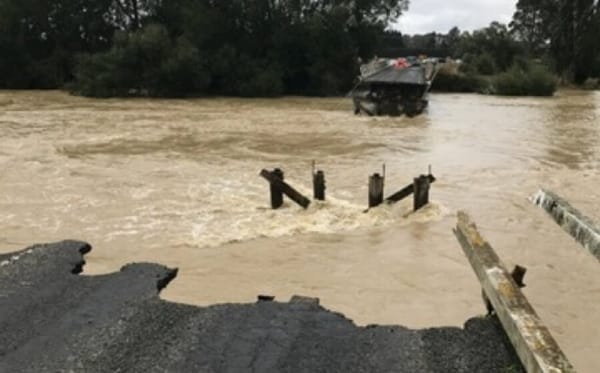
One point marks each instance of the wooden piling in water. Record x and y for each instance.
(420, 192)
(535, 346)
(276, 192)
(280, 185)
(376, 183)
(319, 185)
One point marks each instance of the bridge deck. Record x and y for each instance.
(52, 319)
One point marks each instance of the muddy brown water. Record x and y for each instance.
(176, 182)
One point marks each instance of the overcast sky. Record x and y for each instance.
(424, 16)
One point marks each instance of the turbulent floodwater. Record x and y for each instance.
(176, 182)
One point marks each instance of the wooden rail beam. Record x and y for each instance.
(572, 221)
(531, 339)
(292, 193)
(405, 192)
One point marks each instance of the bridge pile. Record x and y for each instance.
(419, 188)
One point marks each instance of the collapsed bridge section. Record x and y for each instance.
(53, 319)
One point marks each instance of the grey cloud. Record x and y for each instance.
(436, 15)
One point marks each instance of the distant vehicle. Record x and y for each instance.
(393, 87)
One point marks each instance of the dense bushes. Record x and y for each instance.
(482, 64)
(449, 81)
(453, 77)
(525, 79)
(146, 62)
(315, 55)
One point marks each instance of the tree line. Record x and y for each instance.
(190, 47)
(268, 47)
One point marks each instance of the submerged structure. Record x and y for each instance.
(393, 87)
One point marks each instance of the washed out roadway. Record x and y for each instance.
(53, 319)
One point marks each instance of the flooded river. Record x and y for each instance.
(176, 182)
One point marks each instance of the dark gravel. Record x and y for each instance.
(54, 320)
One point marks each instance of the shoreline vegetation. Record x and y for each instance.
(262, 48)
(523, 78)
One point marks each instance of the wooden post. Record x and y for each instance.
(376, 183)
(518, 274)
(319, 185)
(281, 185)
(421, 192)
(572, 221)
(276, 192)
(531, 339)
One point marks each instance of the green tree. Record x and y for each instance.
(245, 47)
(531, 25)
(130, 14)
(570, 27)
(494, 40)
(451, 41)
(39, 39)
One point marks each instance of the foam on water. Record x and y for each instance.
(332, 216)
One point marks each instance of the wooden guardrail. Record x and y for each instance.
(535, 346)
(579, 226)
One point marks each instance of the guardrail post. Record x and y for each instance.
(276, 192)
(421, 192)
(376, 183)
(319, 185)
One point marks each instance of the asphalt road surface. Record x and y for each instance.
(52, 319)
